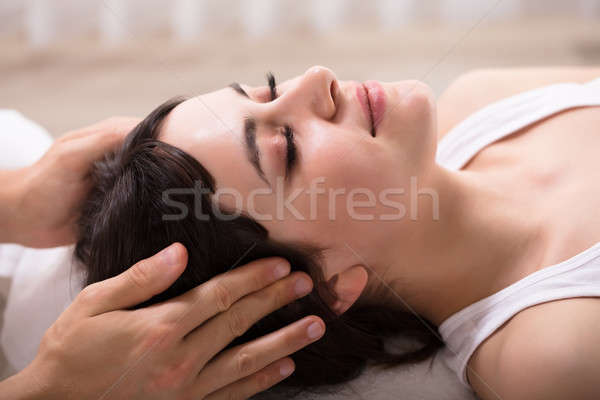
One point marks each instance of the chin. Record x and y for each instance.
(415, 96)
(412, 123)
(412, 107)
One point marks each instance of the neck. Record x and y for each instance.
(480, 241)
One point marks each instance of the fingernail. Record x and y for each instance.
(169, 255)
(302, 287)
(314, 330)
(286, 368)
(281, 270)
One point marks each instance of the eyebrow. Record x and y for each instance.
(252, 150)
(236, 86)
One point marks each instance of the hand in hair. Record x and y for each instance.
(102, 348)
(41, 202)
(126, 217)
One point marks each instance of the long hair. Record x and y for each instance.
(123, 221)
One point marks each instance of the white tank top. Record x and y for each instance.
(579, 276)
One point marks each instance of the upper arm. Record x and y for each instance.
(478, 88)
(540, 365)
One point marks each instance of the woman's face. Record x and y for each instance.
(323, 162)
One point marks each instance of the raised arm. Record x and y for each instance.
(39, 204)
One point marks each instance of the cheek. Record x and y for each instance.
(354, 172)
(347, 160)
(335, 177)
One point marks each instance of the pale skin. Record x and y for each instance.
(171, 350)
(492, 228)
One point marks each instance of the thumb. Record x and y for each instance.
(139, 283)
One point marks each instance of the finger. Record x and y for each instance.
(119, 125)
(139, 283)
(246, 359)
(92, 143)
(225, 327)
(93, 147)
(196, 306)
(257, 382)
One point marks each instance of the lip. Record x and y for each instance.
(376, 101)
(372, 100)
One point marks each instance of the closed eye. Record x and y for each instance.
(272, 85)
(291, 151)
(238, 88)
(270, 82)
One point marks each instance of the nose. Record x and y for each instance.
(314, 92)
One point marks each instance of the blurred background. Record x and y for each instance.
(68, 63)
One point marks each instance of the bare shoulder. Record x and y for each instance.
(549, 351)
(478, 88)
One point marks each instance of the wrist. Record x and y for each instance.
(11, 196)
(22, 386)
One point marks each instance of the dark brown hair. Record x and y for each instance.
(122, 222)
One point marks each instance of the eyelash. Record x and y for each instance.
(288, 132)
(272, 85)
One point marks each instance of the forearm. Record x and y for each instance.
(10, 194)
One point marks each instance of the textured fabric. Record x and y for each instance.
(22, 141)
(35, 285)
(43, 285)
(578, 276)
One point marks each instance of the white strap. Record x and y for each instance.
(507, 116)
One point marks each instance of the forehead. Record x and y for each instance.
(207, 115)
(209, 127)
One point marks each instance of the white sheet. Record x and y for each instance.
(22, 141)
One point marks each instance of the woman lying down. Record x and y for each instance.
(470, 225)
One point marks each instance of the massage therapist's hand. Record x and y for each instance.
(173, 350)
(43, 199)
